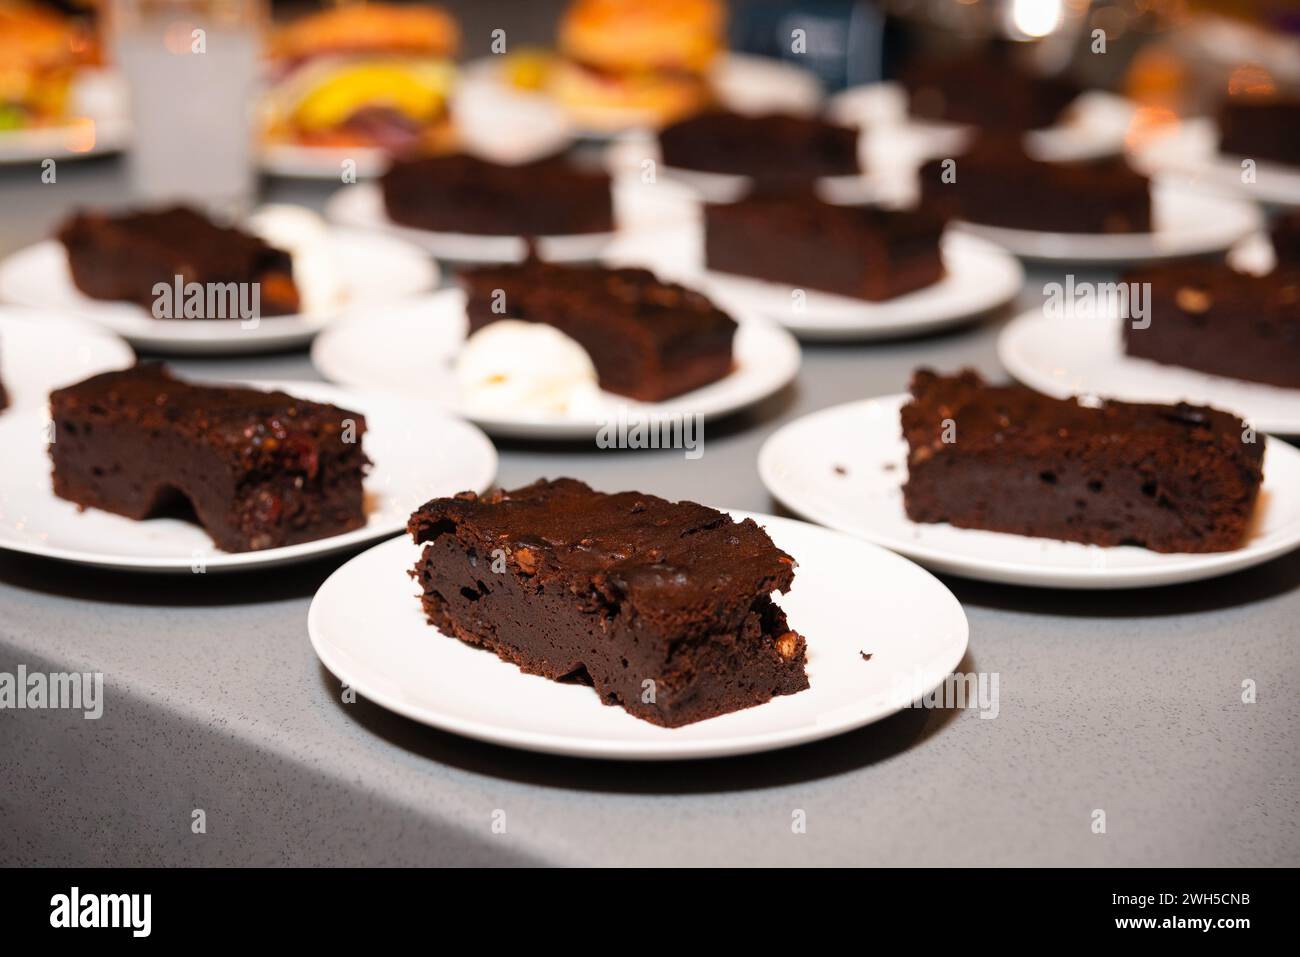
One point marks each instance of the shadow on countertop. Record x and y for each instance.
(829, 757)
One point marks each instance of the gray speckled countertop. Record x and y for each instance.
(1127, 702)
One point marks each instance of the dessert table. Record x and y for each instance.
(1127, 702)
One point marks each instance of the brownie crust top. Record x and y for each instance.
(1015, 419)
(248, 424)
(661, 559)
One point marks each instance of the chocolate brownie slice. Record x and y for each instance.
(769, 148)
(1171, 478)
(995, 183)
(1209, 317)
(1262, 128)
(258, 469)
(664, 608)
(123, 257)
(458, 193)
(986, 91)
(648, 339)
(861, 251)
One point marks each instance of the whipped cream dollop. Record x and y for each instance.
(306, 237)
(518, 368)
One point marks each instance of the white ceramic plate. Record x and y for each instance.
(1190, 150)
(418, 453)
(1085, 355)
(638, 207)
(297, 161)
(368, 269)
(98, 125)
(845, 467)
(848, 598)
(1187, 223)
(410, 348)
(39, 353)
(980, 277)
(362, 205)
(744, 83)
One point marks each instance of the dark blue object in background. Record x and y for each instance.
(842, 39)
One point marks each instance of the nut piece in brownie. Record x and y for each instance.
(458, 193)
(649, 340)
(123, 257)
(1209, 317)
(769, 148)
(995, 183)
(1171, 478)
(629, 593)
(1262, 128)
(258, 469)
(861, 251)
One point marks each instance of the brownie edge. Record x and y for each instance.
(1170, 478)
(663, 608)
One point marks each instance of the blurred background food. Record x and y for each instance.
(41, 48)
(374, 74)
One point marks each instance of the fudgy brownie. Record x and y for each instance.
(664, 608)
(986, 91)
(768, 148)
(1209, 317)
(457, 193)
(861, 251)
(648, 339)
(1171, 478)
(996, 184)
(258, 469)
(123, 257)
(1261, 128)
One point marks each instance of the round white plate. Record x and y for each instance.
(383, 647)
(370, 269)
(1187, 223)
(980, 277)
(297, 161)
(409, 350)
(362, 205)
(856, 485)
(1190, 151)
(98, 125)
(40, 353)
(1084, 354)
(743, 83)
(418, 452)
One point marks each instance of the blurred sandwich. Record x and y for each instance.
(636, 62)
(40, 51)
(368, 75)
